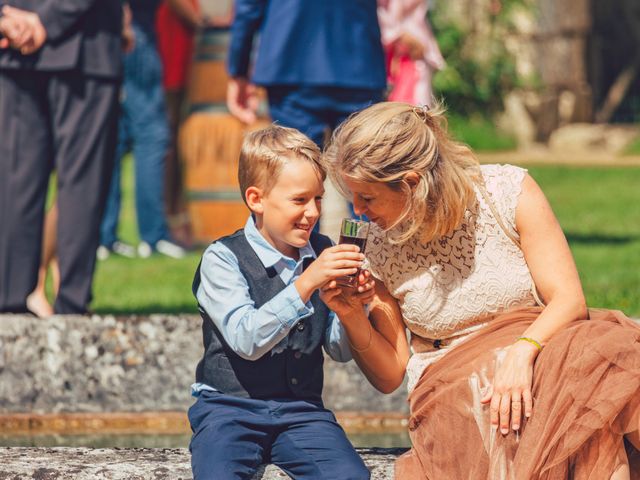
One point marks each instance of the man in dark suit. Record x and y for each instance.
(59, 87)
(319, 60)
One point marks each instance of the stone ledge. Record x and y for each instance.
(104, 364)
(140, 464)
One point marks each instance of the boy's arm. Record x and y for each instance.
(336, 342)
(224, 294)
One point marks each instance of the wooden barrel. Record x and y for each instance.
(207, 89)
(209, 142)
(210, 146)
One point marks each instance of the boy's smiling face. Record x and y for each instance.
(286, 215)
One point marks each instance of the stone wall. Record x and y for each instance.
(548, 41)
(131, 364)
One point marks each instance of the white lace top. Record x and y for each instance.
(445, 287)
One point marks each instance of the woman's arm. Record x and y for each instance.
(555, 275)
(550, 262)
(378, 342)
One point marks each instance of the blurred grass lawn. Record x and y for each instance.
(633, 148)
(598, 208)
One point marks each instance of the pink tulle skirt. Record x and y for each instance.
(586, 391)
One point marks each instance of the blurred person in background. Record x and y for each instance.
(37, 301)
(411, 50)
(177, 23)
(319, 61)
(143, 128)
(60, 67)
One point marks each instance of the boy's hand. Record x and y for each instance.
(333, 262)
(345, 301)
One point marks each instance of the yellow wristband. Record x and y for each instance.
(531, 341)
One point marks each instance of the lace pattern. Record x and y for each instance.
(446, 286)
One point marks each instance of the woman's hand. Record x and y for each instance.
(344, 300)
(510, 393)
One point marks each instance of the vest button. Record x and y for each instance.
(297, 355)
(300, 326)
(294, 381)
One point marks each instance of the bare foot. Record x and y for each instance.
(37, 302)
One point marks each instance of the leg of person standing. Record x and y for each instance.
(296, 107)
(293, 107)
(84, 114)
(109, 225)
(145, 107)
(175, 203)
(342, 102)
(25, 165)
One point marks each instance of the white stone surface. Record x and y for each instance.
(138, 464)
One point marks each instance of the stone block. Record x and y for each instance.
(140, 464)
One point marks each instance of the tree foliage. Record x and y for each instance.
(480, 70)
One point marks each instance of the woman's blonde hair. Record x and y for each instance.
(385, 142)
(264, 153)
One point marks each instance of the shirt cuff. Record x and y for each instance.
(293, 309)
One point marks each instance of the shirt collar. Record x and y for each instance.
(267, 253)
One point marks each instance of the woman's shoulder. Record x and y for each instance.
(496, 174)
(504, 185)
(503, 182)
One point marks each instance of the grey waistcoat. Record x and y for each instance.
(295, 372)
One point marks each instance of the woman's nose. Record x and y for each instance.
(358, 206)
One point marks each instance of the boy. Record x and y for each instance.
(259, 382)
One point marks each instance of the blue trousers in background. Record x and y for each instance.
(143, 129)
(313, 110)
(233, 436)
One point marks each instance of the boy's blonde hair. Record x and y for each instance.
(264, 153)
(384, 142)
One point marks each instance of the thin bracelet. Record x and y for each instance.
(531, 341)
(360, 350)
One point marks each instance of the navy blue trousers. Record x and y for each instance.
(233, 436)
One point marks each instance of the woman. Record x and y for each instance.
(511, 377)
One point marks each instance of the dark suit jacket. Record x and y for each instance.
(309, 42)
(82, 35)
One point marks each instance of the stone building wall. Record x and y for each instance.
(548, 40)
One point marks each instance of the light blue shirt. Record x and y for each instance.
(252, 332)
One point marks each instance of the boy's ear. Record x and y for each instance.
(253, 196)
